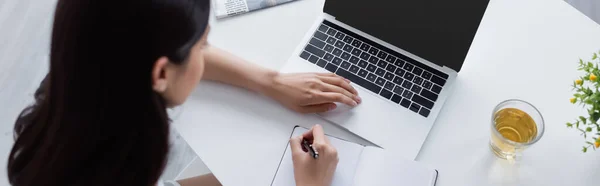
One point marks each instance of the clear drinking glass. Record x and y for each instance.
(516, 125)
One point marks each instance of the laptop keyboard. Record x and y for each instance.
(391, 75)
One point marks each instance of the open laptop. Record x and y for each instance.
(402, 56)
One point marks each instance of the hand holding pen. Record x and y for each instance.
(315, 159)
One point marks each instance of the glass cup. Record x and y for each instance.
(516, 125)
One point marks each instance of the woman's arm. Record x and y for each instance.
(303, 92)
(227, 68)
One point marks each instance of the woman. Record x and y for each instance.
(99, 117)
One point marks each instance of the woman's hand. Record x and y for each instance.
(307, 170)
(311, 92)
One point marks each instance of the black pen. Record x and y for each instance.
(310, 149)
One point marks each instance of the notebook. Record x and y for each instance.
(362, 166)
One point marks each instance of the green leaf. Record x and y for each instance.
(594, 117)
(589, 143)
(584, 149)
(577, 124)
(569, 125)
(582, 119)
(589, 129)
(595, 56)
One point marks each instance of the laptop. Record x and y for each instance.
(402, 56)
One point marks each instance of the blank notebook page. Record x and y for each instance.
(381, 168)
(348, 153)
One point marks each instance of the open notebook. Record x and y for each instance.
(362, 166)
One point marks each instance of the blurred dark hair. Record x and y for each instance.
(96, 119)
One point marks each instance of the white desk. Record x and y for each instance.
(524, 49)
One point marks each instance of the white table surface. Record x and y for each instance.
(525, 49)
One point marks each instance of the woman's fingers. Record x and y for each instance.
(336, 89)
(330, 97)
(316, 134)
(317, 108)
(339, 82)
(296, 146)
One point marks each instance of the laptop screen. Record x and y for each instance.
(440, 31)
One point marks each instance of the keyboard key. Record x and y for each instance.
(391, 68)
(416, 89)
(405, 103)
(354, 60)
(363, 83)
(380, 72)
(304, 55)
(336, 61)
(386, 94)
(408, 76)
(400, 72)
(390, 58)
(348, 48)
(339, 44)
(372, 77)
(322, 63)
(373, 60)
(354, 69)
(382, 55)
(346, 56)
(331, 32)
(418, 81)
(422, 101)
(345, 65)
(323, 28)
(373, 51)
(332, 68)
(371, 68)
(415, 108)
(429, 95)
(365, 56)
(318, 43)
(427, 85)
(408, 67)
(380, 81)
(396, 98)
(399, 63)
(314, 50)
(328, 48)
(398, 80)
(313, 59)
(438, 80)
(348, 39)
(365, 47)
(340, 35)
(328, 57)
(389, 76)
(322, 36)
(398, 90)
(407, 84)
(417, 71)
(436, 89)
(424, 112)
(389, 85)
(337, 52)
(382, 64)
(356, 52)
(331, 40)
(356, 43)
(363, 64)
(363, 73)
(426, 75)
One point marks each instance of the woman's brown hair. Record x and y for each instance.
(96, 119)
